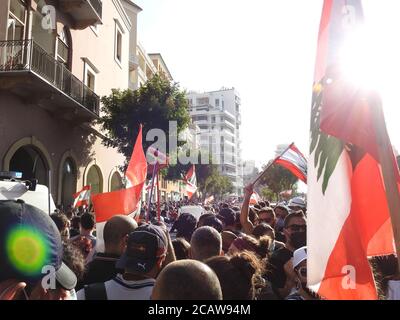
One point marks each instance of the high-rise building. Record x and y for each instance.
(217, 113)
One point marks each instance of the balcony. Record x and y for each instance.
(84, 12)
(30, 72)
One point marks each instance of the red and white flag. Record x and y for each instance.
(208, 200)
(125, 201)
(254, 199)
(82, 198)
(294, 161)
(154, 156)
(191, 182)
(348, 217)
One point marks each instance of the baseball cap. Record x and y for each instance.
(297, 202)
(145, 245)
(227, 216)
(29, 241)
(299, 256)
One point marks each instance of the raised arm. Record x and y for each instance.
(247, 225)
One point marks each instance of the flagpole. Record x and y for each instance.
(151, 192)
(158, 197)
(270, 164)
(386, 158)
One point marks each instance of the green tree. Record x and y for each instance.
(154, 105)
(268, 194)
(217, 185)
(279, 179)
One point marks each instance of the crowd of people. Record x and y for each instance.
(231, 252)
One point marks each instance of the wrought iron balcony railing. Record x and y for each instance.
(26, 55)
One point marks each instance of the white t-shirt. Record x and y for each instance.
(121, 289)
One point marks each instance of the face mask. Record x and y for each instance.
(298, 239)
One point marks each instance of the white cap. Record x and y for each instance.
(299, 256)
(297, 202)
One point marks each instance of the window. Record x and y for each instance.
(116, 182)
(217, 102)
(95, 179)
(118, 43)
(68, 182)
(90, 72)
(202, 101)
(63, 48)
(16, 20)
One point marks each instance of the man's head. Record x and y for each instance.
(88, 222)
(145, 251)
(213, 222)
(206, 243)
(263, 229)
(30, 243)
(185, 225)
(267, 215)
(228, 217)
(300, 265)
(281, 211)
(297, 204)
(187, 280)
(295, 229)
(115, 231)
(62, 224)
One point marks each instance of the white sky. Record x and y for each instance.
(265, 49)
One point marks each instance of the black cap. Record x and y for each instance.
(145, 245)
(29, 241)
(227, 216)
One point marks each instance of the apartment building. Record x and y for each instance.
(57, 58)
(217, 113)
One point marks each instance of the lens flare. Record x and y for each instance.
(27, 250)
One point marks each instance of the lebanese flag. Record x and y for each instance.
(348, 216)
(153, 156)
(254, 199)
(295, 162)
(82, 198)
(125, 201)
(191, 182)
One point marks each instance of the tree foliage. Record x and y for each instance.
(154, 104)
(278, 179)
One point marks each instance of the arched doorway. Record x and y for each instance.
(95, 179)
(116, 182)
(68, 182)
(31, 163)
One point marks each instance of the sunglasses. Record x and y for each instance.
(297, 227)
(302, 272)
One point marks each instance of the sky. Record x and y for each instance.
(266, 49)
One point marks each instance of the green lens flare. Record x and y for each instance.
(27, 250)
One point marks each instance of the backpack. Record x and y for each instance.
(95, 291)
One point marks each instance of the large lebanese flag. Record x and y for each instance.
(82, 198)
(348, 211)
(294, 161)
(125, 201)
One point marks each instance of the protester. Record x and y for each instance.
(281, 212)
(63, 225)
(187, 280)
(261, 247)
(301, 291)
(213, 222)
(228, 217)
(297, 204)
(142, 261)
(206, 242)
(181, 248)
(30, 241)
(102, 268)
(86, 239)
(236, 274)
(75, 226)
(185, 226)
(264, 229)
(227, 239)
(282, 276)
